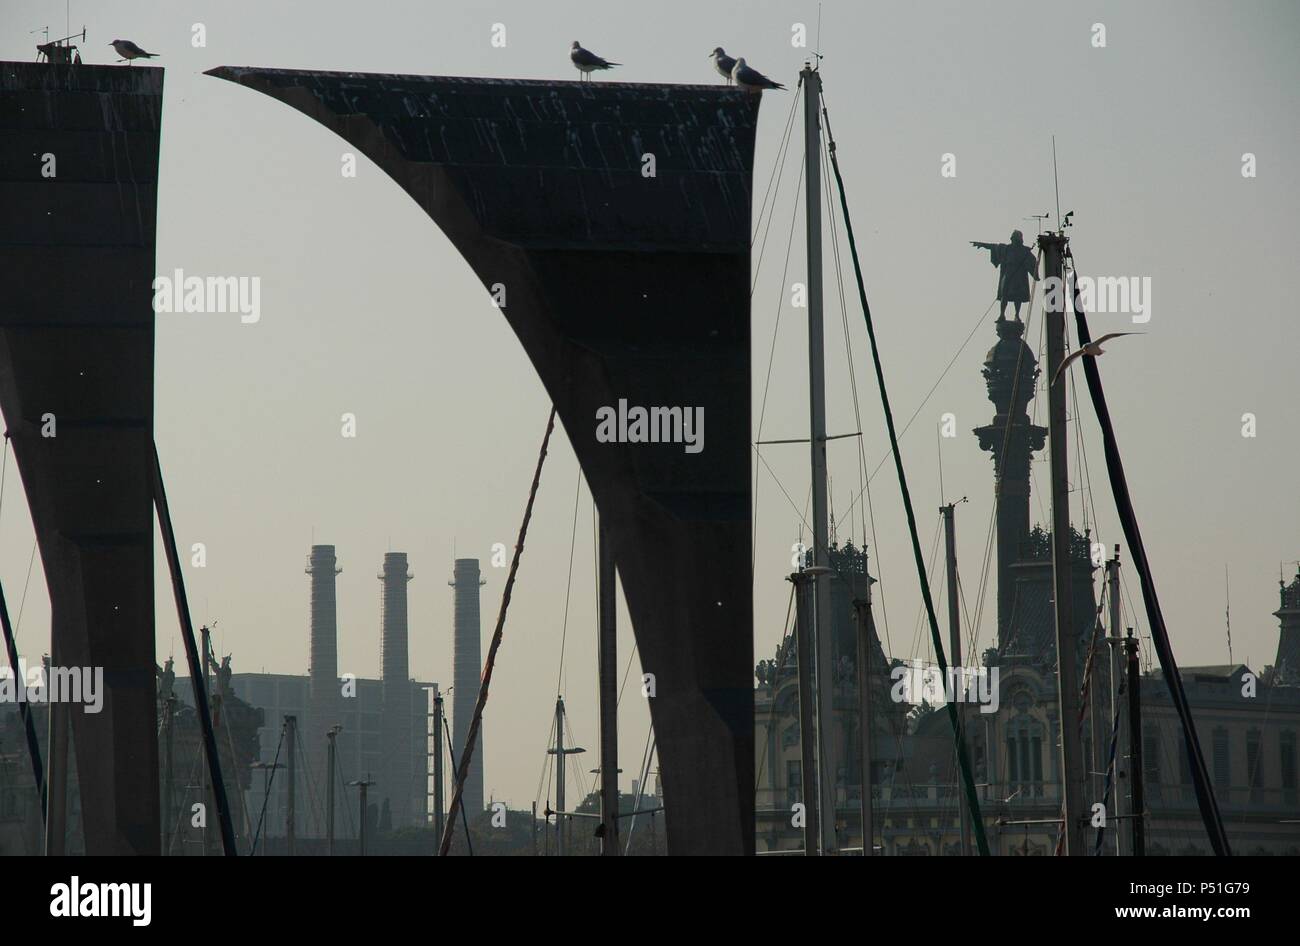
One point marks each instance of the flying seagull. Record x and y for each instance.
(1092, 350)
(587, 62)
(723, 63)
(129, 50)
(751, 79)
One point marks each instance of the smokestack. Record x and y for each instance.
(394, 657)
(323, 686)
(467, 669)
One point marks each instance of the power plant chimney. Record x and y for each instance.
(467, 669)
(323, 697)
(396, 783)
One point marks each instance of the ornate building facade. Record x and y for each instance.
(1247, 723)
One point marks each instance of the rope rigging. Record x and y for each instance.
(1159, 633)
(972, 796)
(462, 769)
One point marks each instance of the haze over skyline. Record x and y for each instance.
(367, 309)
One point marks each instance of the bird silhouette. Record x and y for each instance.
(1091, 349)
(723, 63)
(129, 50)
(587, 62)
(751, 79)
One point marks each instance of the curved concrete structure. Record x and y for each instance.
(621, 285)
(78, 192)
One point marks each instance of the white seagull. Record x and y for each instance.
(586, 61)
(751, 79)
(1092, 350)
(723, 63)
(129, 50)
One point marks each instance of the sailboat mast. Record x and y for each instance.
(560, 752)
(862, 611)
(608, 673)
(812, 85)
(1053, 247)
(560, 846)
(807, 718)
(955, 666)
(438, 776)
(1118, 668)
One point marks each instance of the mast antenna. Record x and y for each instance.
(817, 54)
(1057, 180)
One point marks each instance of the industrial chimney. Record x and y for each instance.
(467, 668)
(323, 697)
(397, 780)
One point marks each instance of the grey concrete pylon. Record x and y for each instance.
(616, 220)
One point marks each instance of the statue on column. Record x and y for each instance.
(1016, 267)
(223, 676)
(167, 680)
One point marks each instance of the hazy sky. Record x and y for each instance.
(367, 309)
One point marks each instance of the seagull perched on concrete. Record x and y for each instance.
(751, 79)
(723, 63)
(129, 50)
(1091, 349)
(587, 62)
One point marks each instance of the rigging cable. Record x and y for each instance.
(777, 170)
(962, 756)
(864, 483)
(462, 770)
(192, 654)
(568, 585)
(1159, 633)
(266, 797)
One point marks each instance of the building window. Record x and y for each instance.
(1151, 761)
(1222, 765)
(1287, 767)
(1184, 764)
(1025, 762)
(1254, 764)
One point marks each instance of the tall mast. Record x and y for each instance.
(862, 611)
(812, 85)
(207, 785)
(438, 810)
(807, 731)
(559, 776)
(290, 812)
(561, 841)
(1118, 667)
(1053, 247)
(169, 776)
(362, 784)
(608, 698)
(955, 670)
(329, 787)
(1136, 770)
